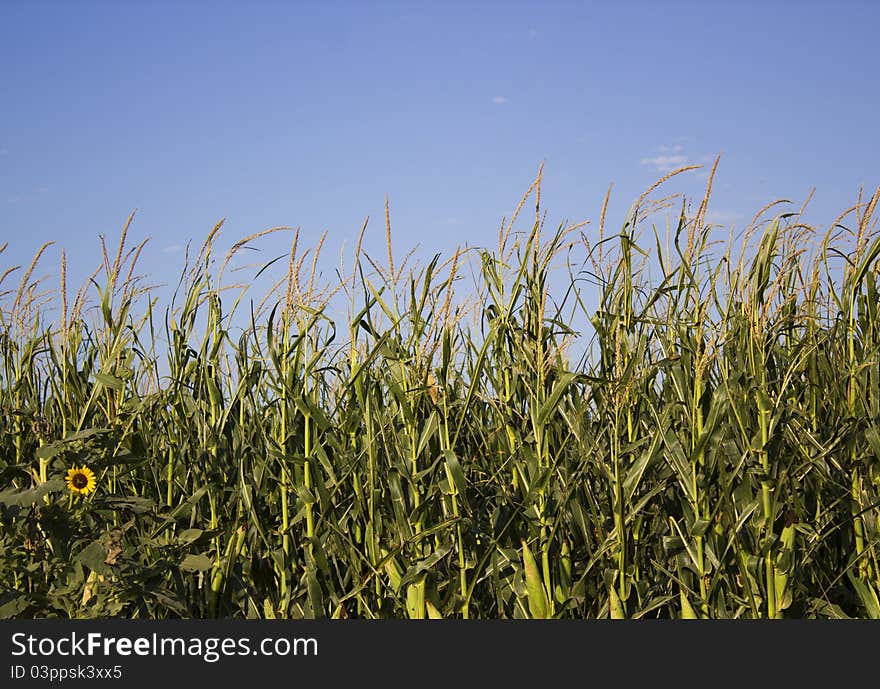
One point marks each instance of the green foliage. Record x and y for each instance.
(705, 446)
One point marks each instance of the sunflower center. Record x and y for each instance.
(79, 481)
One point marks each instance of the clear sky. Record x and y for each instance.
(308, 113)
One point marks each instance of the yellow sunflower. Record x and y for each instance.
(80, 480)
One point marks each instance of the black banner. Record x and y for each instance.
(406, 653)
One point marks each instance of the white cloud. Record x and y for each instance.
(172, 249)
(533, 34)
(670, 149)
(4, 151)
(499, 100)
(665, 163)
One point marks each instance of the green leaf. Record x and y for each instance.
(454, 469)
(415, 599)
(15, 605)
(699, 527)
(316, 596)
(16, 497)
(49, 451)
(765, 404)
(392, 569)
(188, 536)
(134, 503)
(867, 595)
(872, 435)
(307, 496)
(550, 403)
(862, 269)
(433, 612)
(214, 394)
(110, 381)
(687, 610)
(423, 565)
(830, 610)
(428, 430)
(196, 563)
(320, 557)
(637, 470)
(672, 543)
(93, 556)
(87, 433)
(615, 607)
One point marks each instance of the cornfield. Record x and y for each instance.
(707, 445)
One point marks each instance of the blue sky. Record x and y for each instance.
(308, 113)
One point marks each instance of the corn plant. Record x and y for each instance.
(573, 423)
